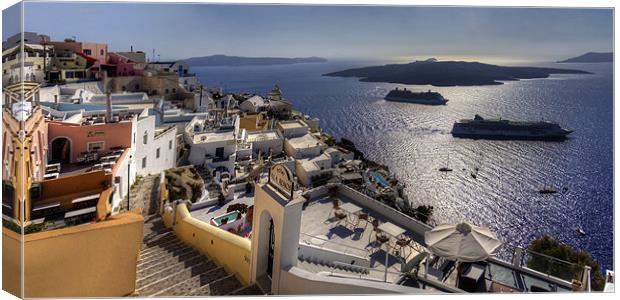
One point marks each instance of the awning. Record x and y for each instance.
(86, 198)
(81, 212)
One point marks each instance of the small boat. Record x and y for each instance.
(547, 190)
(580, 231)
(446, 168)
(474, 173)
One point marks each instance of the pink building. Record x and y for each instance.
(69, 141)
(124, 66)
(94, 50)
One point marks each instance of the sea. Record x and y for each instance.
(414, 141)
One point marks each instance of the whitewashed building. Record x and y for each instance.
(264, 142)
(306, 146)
(292, 129)
(213, 143)
(254, 104)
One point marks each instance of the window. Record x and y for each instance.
(157, 153)
(88, 52)
(143, 162)
(100, 51)
(94, 146)
(145, 137)
(134, 137)
(170, 144)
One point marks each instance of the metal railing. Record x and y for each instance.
(544, 266)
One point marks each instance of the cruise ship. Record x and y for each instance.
(404, 95)
(480, 128)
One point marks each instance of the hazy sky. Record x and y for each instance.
(186, 30)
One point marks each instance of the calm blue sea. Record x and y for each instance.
(415, 140)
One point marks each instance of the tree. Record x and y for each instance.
(240, 207)
(549, 246)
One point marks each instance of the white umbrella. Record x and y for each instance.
(463, 242)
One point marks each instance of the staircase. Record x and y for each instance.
(169, 268)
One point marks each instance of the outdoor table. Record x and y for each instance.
(474, 272)
(351, 209)
(391, 229)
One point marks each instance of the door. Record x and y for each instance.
(271, 249)
(219, 152)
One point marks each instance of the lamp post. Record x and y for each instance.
(128, 180)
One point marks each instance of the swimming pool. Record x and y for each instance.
(381, 180)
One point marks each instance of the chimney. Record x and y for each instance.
(55, 101)
(108, 112)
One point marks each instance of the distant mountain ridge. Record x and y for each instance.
(225, 60)
(448, 73)
(591, 57)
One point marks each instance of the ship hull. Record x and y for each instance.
(464, 132)
(417, 101)
(508, 137)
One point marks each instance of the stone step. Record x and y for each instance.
(165, 263)
(185, 287)
(247, 291)
(167, 246)
(178, 254)
(168, 280)
(195, 263)
(221, 287)
(158, 239)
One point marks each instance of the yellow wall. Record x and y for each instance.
(11, 262)
(90, 260)
(229, 250)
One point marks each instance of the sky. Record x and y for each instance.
(401, 33)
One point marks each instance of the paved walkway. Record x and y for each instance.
(144, 195)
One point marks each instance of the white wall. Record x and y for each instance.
(167, 154)
(275, 145)
(329, 256)
(300, 153)
(296, 281)
(198, 151)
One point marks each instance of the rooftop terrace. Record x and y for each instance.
(355, 242)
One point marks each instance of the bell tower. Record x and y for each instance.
(276, 225)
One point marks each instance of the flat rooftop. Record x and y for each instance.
(319, 227)
(292, 124)
(305, 141)
(215, 136)
(262, 136)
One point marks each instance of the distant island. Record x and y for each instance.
(225, 60)
(448, 73)
(591, 57)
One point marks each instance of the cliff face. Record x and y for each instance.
(591, 57)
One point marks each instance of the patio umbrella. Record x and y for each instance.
(462, 242)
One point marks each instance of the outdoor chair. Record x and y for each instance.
(403, 244)
(340, 216)
(380, 240)
(375, 228)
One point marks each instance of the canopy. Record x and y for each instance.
(463, 242)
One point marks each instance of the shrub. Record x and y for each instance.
(241, 207)
(548, 245)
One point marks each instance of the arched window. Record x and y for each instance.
(145, 137)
